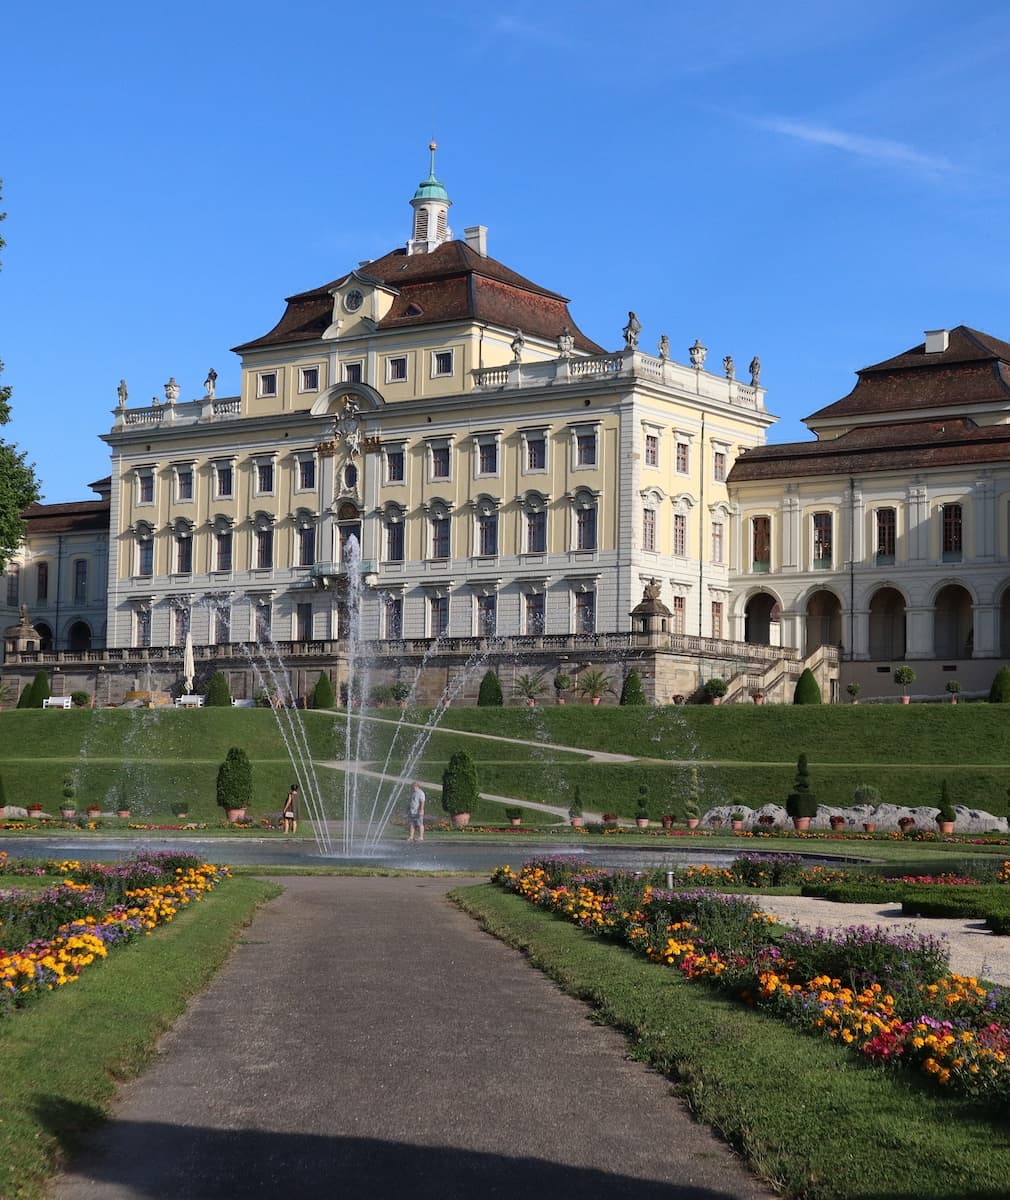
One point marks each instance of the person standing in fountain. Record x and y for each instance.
(415, 813)
(291, 810)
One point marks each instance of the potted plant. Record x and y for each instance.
(692, 814)
(400, 692)
(514, 816)
(692, 806)
(946, 817)
(906, 824)
(181, 810)
(562, 683)
(611, 819)
(952, 687)
(575, 810)
(867, 796)
(854, 689)
(459, 788)
(68, 809)
(904, 676)
(837, 821)
(766, 820)
(381, 695)
(757, 696)
(234, 784)
(594, 684)
(736, 819)
(666, 820)
(642, 812)
(530, 686)
(801, 805)
(714, 689)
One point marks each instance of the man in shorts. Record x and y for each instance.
(415, 813)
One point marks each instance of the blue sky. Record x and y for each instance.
(814, 183)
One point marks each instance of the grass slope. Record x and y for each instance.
(804, 1113)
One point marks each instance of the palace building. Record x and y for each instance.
(433, 432)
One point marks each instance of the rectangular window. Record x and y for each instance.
(487, 615)
(306, 546)
(717, 618)
(264, 549)
(264, 622)
(142, 623)
(394, 466)
(585, 529)
(145, 557)
(440, 537)
(952, 533)
(680, 534)
(533, 612)
(224, 481)
(267, 383)
(585, 449)
(649, 529)
(487, 458)
(651, 450)
(306, 474)
(761, 544)
(184, 483)
(264, 479)
(145, 491)
(585, 612)
(683, 458)
(396, 369)
(303, 623)
(886, 535)
(222, 550)
(440, 462)
(536, 532)
(679, 614)
(80, 581)
(352, 372)
(394, 541)
(822, 541)
(13, 585)
(42, 582)
(393, 613)
(183, 555)
(222, 625)
(438, 615)
(536, 453)
(717, 542)
(309, 379)
(487, 534)
(719, 466)
(441, 362)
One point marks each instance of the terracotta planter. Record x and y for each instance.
(35, 810)
(123, 813)
(905, 824)
(236, 814)
(759, 699)
(906, 699)
(596, 701)
(561, 699)
(181, 816)
(837, 823)
(93, 812)
(869, 826)
(515, 820)
(68, 814)
(667, 822)
(531, 703)
(693, 822)
(577, 822)
(801, 824)
(642, 822)
(953, 699)
(945, 827)
(460, 819)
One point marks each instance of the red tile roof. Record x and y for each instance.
(452, 283)
(973, 370)
(892, 447)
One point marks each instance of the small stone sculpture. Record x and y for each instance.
(755, 370)
(566, 343)
(729, 367)
(210, 383)
(652, 590)
(631, 332)
(697, 353)
(171, 390)
(664, 347)
(122, 393)
(518, 345)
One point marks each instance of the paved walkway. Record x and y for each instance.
(366, 1039)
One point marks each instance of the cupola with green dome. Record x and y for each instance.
(431, 212)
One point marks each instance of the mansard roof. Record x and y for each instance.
(451, 283)
(907, 446)
(79, 516)
(973, 370)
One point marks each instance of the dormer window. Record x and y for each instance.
(413, 310)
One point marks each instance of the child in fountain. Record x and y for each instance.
(291, 810)
(415, 813)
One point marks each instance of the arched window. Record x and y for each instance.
(143, 534)
(439, 540)
(222, 530)
(486, 530)
(263, 541)
(182, 543)
(393, 529)
(534, 507)
(584, 505)
(305, 538)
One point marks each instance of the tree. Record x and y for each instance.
(36, 691)
(999, 693)
(807, 691)
(459, 784)
(322, 693)
(631, 692)
(490, 694)
(801, 801)
(218, 693)
(234, 780)
(18, 484)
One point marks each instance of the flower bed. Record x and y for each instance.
(891, 997)
(49, 937)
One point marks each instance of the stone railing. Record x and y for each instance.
(232, 407)
(144, 416)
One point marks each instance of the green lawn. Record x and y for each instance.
(806, 1115)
